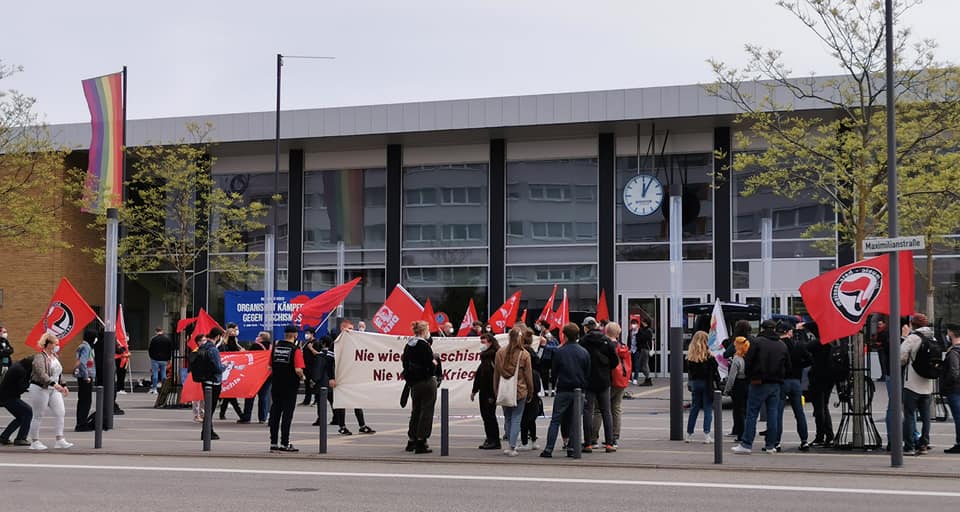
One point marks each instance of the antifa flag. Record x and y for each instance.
(66, 315)
(840, 300)
(397, 313)
(243, 375)
(468, 319)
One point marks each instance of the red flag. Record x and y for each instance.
(244, 373)
(468, 319)
(429, 317)
(523, 317)
(182, 324)
(562, 316)
(504, 317)
(840, 300)
(397, 313)
(313, 311)
(602, 312)
(205, 323)
(548, 307)
(66, 315)
(123, 339)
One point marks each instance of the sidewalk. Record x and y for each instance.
(644, 441)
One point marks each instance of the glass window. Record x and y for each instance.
(791, 216)
(347, 205)
(258, 187)
(363, 301)
(448, 288)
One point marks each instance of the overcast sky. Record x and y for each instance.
(207, 56)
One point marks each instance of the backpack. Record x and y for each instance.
(839, 362)
(928, 360)
(202, 366)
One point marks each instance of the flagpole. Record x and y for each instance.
(110, 317)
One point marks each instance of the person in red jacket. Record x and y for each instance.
(619, 381)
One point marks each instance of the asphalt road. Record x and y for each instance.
(146, 483)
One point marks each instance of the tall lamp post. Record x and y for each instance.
(270, 261)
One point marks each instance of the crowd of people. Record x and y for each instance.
(777, 368)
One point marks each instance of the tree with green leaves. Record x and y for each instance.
(825, 137)
(175, 214)
(31, 174)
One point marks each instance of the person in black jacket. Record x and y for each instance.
(309, 358)
(792, 390)
(821, 385)
(323, 372)
(767, 364)
(160, 350)
(264, 393)
(702, 377)
(950, 382)
(483, 386)
(6, 351)
(572, 366)
(603, 359)
(534, 408)
(419, 369)
(231, 345)
(15, 382)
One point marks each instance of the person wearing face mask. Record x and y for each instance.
(6, 351)
(309, 359)
(46, 392)
(641, 343)
(85, 372)
(447, 329)
(483, 386)
(476, 329)
(362, 326)
(547, 349)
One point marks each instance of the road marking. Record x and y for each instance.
(485, 478)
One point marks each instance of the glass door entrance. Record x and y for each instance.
(656, 309)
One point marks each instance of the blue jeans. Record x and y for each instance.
(953, 400)
(767, 395)
(702, 399)
(792, 391)
(562, 413)
(158, 373)
(913, 402)
(264, 408)
(511, 418)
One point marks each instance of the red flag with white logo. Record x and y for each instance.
(548, 307)
(397, 313)
(840, 300)
(243, 374)
(602, 312)
(468, 319)
(504, 317)
(66, 315)
(429, 317)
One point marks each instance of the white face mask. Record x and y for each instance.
(485, 346)
(56, 350)
(450, 330)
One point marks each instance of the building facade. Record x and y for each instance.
(476, 199)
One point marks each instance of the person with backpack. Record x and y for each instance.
(792, 390)
(263, 394)
(286, 367)
(619, 381)
(921, 354)
(206, 367)
(950, 382)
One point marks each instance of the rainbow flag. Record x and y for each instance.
(104, 184)
(343, 193)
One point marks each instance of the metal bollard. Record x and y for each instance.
(576, 430)
(322, 416)
(717, 427)
(98, 417)
(207, 416)
(444, 422)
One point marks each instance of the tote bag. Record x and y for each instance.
(507, 391)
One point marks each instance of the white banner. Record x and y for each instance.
(368, 369)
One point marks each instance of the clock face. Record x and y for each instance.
(643, 195)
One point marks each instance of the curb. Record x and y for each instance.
(889, 472)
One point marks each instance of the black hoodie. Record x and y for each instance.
(603, 359)
(768, 360)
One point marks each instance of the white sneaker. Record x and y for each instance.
(707, 438)
(741, 450)
(634, 382)
(62, 444)
(524, 448)
(507, 451)
(37, 445)
(688, 438)
(511, 453)
(153, 391)
(121, 392)
(535, 446)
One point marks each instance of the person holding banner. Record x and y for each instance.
(419, 367)
(483, 385)
(513, 362)
(46, 392)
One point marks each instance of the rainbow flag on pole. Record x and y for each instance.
(104, 182)
(343, 193)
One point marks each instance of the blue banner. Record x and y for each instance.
(245, 308)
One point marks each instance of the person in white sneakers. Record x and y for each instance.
(46, 392)
(703, 378)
